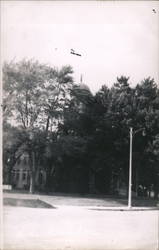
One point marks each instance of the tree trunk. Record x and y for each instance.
(32, 183)
(156, 191)
(47, 124)
(32, 174)
(136, 182)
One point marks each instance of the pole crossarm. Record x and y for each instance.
(138, 130)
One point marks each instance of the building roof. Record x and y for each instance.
(83, 86)
(82, 89)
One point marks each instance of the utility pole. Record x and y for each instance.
(130, 164)
(130, 171)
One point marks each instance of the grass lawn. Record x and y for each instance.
(34, 203)
(14, 198)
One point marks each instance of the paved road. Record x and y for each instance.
(79, 228)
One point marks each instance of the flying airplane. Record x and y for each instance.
(74, 53)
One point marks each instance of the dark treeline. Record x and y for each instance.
(81, 140)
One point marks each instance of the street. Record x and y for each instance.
(79, 228)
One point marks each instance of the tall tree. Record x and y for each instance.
(33, 94)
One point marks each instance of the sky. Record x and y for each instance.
(114, 37)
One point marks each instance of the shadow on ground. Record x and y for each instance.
(141, 202)
(26, 203)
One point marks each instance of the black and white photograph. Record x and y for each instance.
(79, 125)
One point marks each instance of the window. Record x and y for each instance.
(25, 161)
(18, 161)
(40, 178)
(24, 176)
(17, 175)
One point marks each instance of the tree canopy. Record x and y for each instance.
(75, 134)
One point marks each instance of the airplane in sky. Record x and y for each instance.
(74, 53)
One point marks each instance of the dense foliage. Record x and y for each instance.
(82, 140)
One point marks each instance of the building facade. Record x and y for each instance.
(21, 174)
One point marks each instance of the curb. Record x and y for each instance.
(102, 208)
(132, 209)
